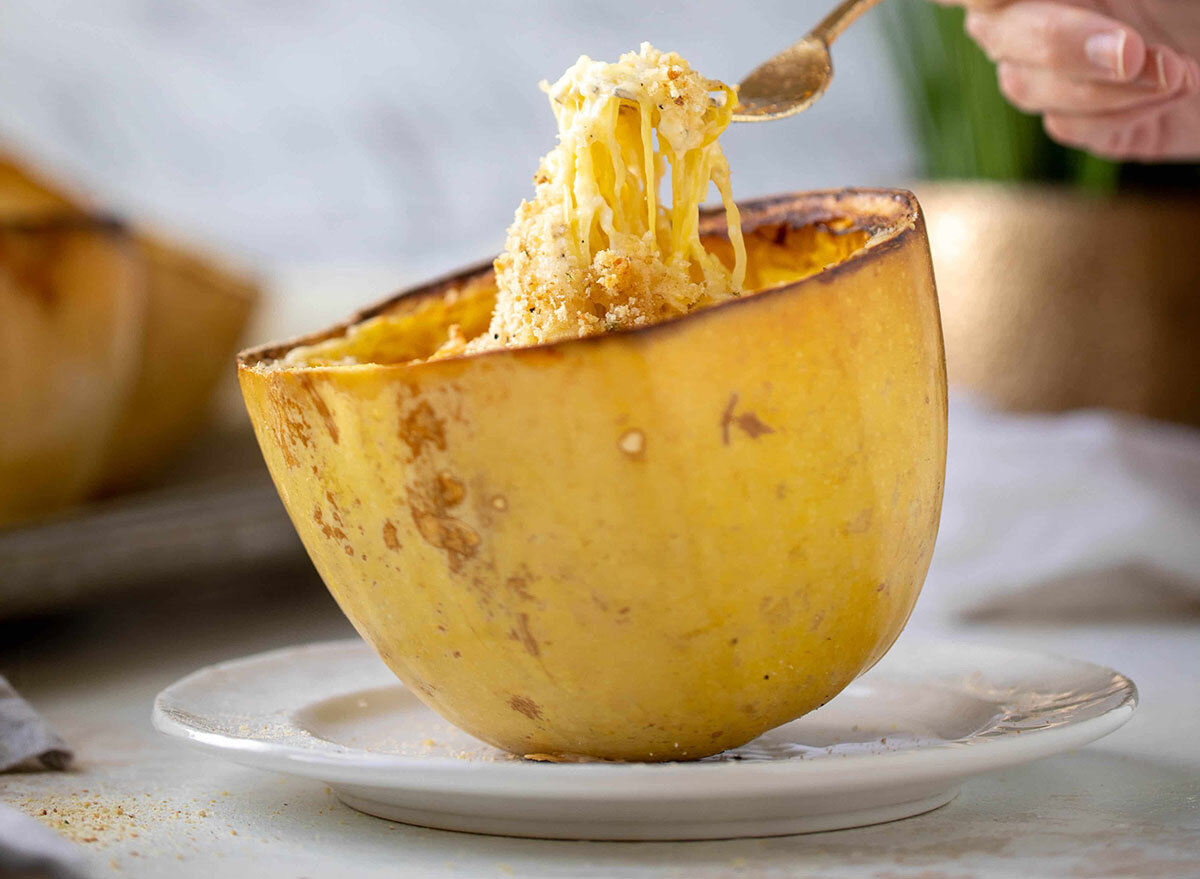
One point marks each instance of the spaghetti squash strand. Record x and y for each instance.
(596, 249)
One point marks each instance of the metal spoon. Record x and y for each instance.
(794, 79)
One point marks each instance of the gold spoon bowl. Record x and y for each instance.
(794, 79)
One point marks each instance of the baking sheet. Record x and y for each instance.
(217, 511)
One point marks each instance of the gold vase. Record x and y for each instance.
(1053, 299)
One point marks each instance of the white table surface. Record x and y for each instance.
(142, 805)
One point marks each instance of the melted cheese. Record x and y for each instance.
(596, 249)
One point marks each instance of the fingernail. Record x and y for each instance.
(1107, 51)
(1170, 72)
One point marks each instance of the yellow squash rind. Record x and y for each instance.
(648, 545)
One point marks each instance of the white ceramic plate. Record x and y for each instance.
(895, 743)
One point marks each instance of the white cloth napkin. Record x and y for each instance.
(29, 850)
(1084, 502)
(26, 847)
(24, 736)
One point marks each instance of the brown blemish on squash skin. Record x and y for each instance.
(754, 428)
(525, 705)
(519, 586)
(483, 585)
(390, 538)
(451, 490)
(459, 540)
(430, 512)
(295, 424)
(289, 425)
(333, 507)
(748, 422)
(318, 402)
(525, 636)
(331, 530)
(421, 427)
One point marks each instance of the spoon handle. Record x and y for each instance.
(844, 15)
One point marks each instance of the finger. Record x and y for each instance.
(1135, 137)
(1041, 90)
(973, 4)
(1143, 134)
(1076, 43)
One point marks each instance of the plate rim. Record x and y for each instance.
(946, 761)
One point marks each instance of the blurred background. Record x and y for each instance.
(386, 131)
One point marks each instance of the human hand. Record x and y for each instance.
(1118, 78)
